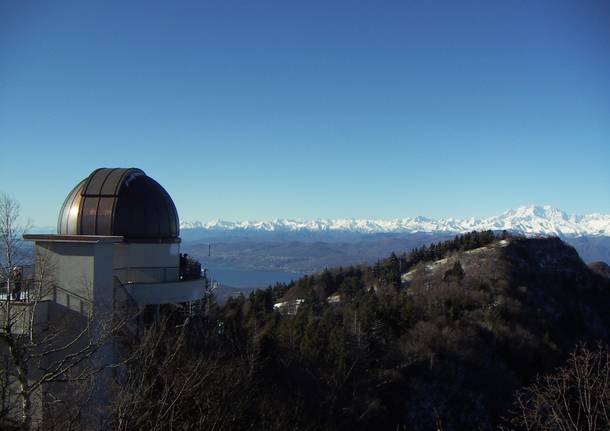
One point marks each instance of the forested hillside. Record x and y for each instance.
(440, 338)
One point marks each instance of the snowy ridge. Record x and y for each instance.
(529, 220)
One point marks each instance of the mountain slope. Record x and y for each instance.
(449, 345)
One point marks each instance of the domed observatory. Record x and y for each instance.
(120, 202)
(118, 239)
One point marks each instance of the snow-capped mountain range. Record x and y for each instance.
(528, 220)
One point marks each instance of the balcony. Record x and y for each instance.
(169, 292)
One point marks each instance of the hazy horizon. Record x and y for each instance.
(49, 228)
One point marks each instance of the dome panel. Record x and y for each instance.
(68, 215)
(122, 202)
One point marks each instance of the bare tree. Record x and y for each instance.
(12, 254)
(168, 382)
(40, 358)
(575, 398)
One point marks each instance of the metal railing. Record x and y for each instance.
(29, 295)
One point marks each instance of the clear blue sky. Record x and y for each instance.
(254, 109)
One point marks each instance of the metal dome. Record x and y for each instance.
(122, 202)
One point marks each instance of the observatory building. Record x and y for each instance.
(114, 263)
(118, 240)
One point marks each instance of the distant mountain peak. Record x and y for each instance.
(529, 220)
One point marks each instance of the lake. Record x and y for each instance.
(249, 278)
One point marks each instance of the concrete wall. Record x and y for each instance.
(22, 313)
(103, 284)
(54, 327)
(166, 293)
(77, 274)
(83, 278)
(146, 262)
(67, 265)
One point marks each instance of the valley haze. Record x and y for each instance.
(308, 246)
